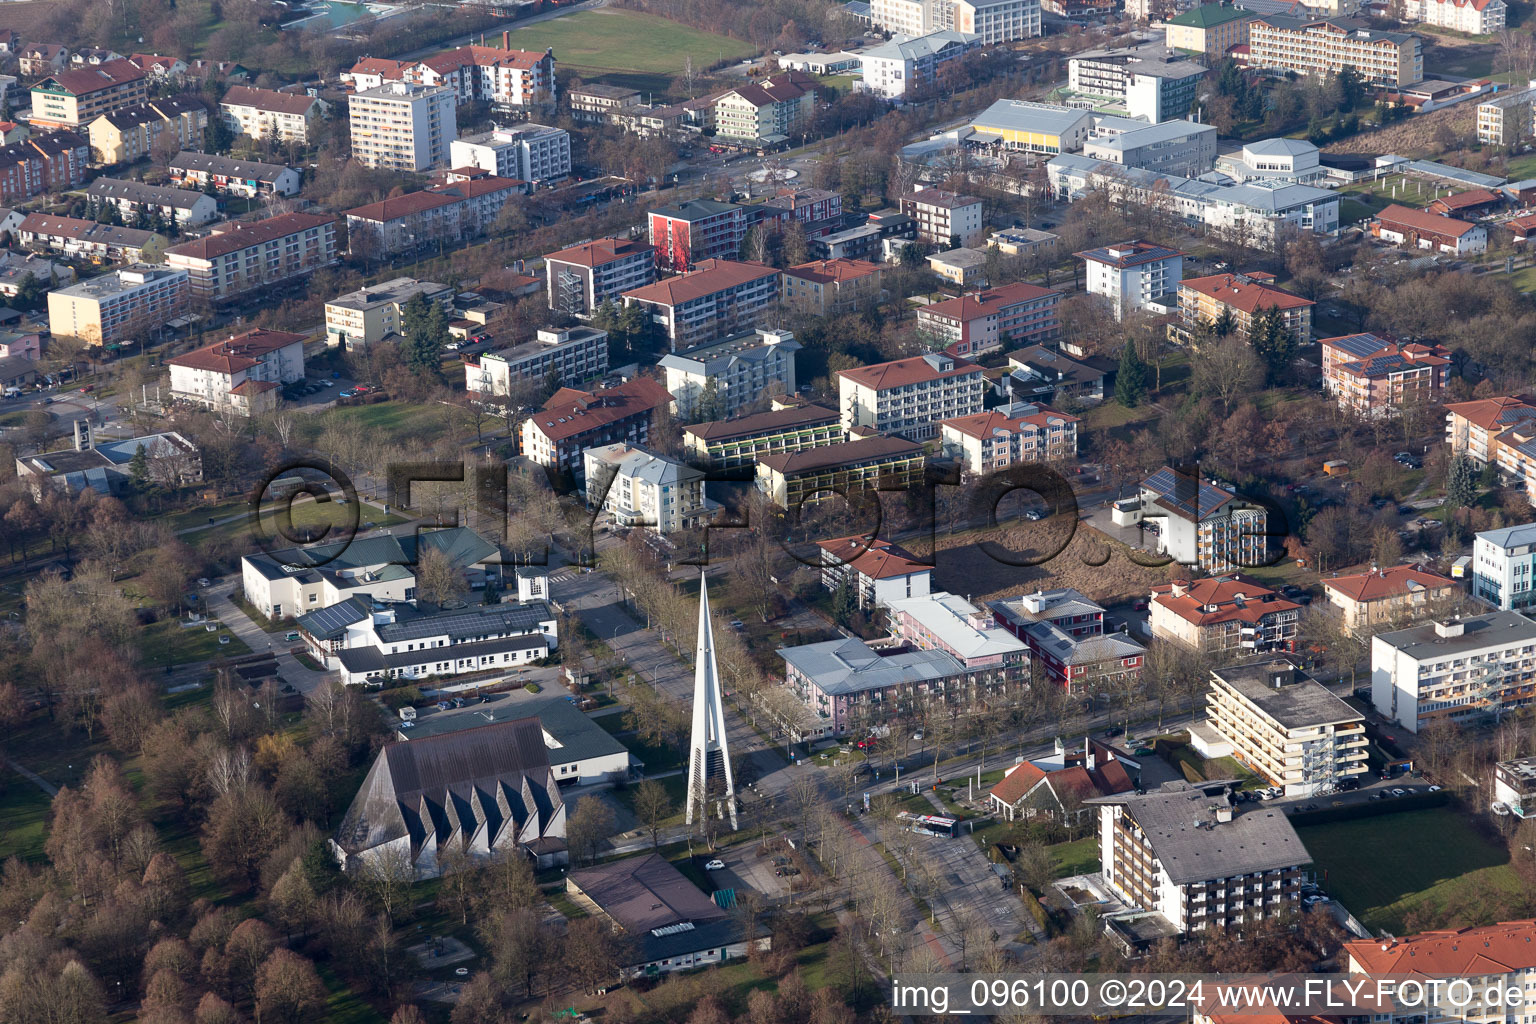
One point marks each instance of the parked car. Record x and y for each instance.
(204, 582)
(291, 637)
(443, 705)
(223, 640)
(1398, 792)
(715, 865)
(1407, 510)
(1034, 515)
(349, 393)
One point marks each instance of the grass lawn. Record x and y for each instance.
(656, 759)
(401, 419)
(601, 43)
(677, 792)
(1352, 210)
(1075, 858)
(1382, 867)
(1524, 279)
(168, 642)
(23, 817)
(305, 512)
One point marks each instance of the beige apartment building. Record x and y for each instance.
(371, 314)
(269, 114)
(248, 255)
(127, 304)
(1472, 428)
(1324, 46)
(1397, 593)
(76, 97)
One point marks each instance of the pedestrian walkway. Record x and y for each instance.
(32, 777)
(306, 680)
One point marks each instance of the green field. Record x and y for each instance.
(1079, 857)
(167, 642)
(1381, 868)
(609, 43)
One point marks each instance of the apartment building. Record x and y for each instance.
(242, 375)
(583, 277)
(75, 97)
(1507, 118)
(1149, 87)
(242, 256)
(401, 126)
(984, 321)
(128, 304)
(1488, 959)
(829, 287)
(640, 489)
(1503, 563)
(1065, 634)
(268, 114)
(789, 426)
(1514, 451)
(719, 379)
(902, 67)
(1198, 523)
(594, 104)
(574, 354)
(816, 208)
(1203, 301)
(1374, 377)
(1514, 784)
(1286, 726)
(946, 622)
(57, 160)
(86, 239)
(1326, 46)
(1173, 147)
(877, 572)
(1227, 615)
(944, 218)
(136, 201)
(1134, 275)
(505, 78)
(1474, 17)
(370, 314)
(1397, 593)
(716, 299)
(791, 479)
(909, 397)
(530, 152)
(766, 112)
(1184, 852)
(1456, 669)
(698, 229)
(433, 217)
(1007, 436)
(228, 177)
(1420, 229)
(1031, 127)
(994, 21)
(572, 421)
(131, 133)
(1471, 428)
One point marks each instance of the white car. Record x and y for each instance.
(204, 582)
(715, 865)
(1434, 789)
(1398, 792)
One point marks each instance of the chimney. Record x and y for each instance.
(83, 440)
(506, 39)
(1088, 759)
(1224, 813)
(1450, 627)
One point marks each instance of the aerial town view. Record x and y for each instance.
(769, 511)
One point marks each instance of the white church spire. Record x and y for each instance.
(708, 757)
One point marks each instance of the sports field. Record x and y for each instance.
(615, 44)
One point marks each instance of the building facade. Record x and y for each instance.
(574, 354)
(909, 397)
(1323, 46)
(944, 218)
(75, 97)
(716, 299)
(1503, 566)
(983, 321)
(1203, 301)
(583, 277)
(1395, 594)
(1420, 229)
(241, 375)
(225, 176)
(637, 488)
(268, 114)
(877, 572)
(1458, 669)
(1373, 377)
(128, 304)
(1133, 275)
(403, 127)
(1172, 147)
(830, 287)
(991, 441)
(699, 229)
(572, 421)
(1227, 615)
(369, 315)
(718, 380)
(791, 479)
(246, 256)
(530, 152)
(131, 133)
(790, 426)
(1198, 523)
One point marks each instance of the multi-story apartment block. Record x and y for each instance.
(1199, 524)
(715, 299)
(1507, 118)
(790, 426)
(1514, 783)
(1398, 593)
(639, 488)
(695, 230)
(1373, 377)
(1472, 428)
(136, 201)
(372, 313)
(1134, 275)
(903, 67)
(595, 104)
(1324, 46)
(1173, 147)
(768, 111)
(1503, 567)
(247, 255)
(1514, 452)
(910, 396)
(38, 59)
(1210, 30)
(573, 421)
(984, 321)
(1183, 851)
(1230, 615)
(810, 206)
(585, 276)
(128, 304)
(791, 479)
(49, 160)
(1204, 300)
(233, 177)
(505, 78)
(401, 126)
(70, 236)
(1474, 17)
(1148, 86)
(574, 354)
(877, 572)
(1286, 726)
(1420, 229)
(994, 21)
(829, 287)
(1031, 127)
(1065, 634)
(242, 375)
(718, 380)
(946, 622)
(531, 152)
(75, 98)
(1455, 669)
(944, 218)
(440, 215)
(1008, 435)
(127, 134)
(268, 114)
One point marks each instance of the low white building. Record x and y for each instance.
(1134, 275)
(716, 381)
(1454, 670)
(1172, 147)
(1294, 161)
(574, 354)
(640, 488)
(878, 572)
(904, 65)
(528, 152)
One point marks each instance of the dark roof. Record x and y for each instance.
(211, 163)
(244, 234)
(138, 192)
(371, 659)
(642, 893)
(848, 453)
(764, 423)
(680, 942)
(267, 99)
(1184, 495)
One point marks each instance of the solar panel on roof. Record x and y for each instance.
(1185, 493)
(1360, 345)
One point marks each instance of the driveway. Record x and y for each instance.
(306, 680)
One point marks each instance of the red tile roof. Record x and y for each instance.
(268, 99)
(876, 559)
(985, 424)
(476, 187)
(401, 206)
(604, 250)
(1244, 293)
(706, 278)
(1487, 413)
(1466, 200)
(82, 81)
(1107, 777)
(1382, 584)
(570, 412)
(1490, 949)
(240, 352)
(780, 88)
(830, 271)
(243, 235)
(990, 302)
(1015, 786)
(1422, 221)
(382, 66)
(1236, 598)
(900, 372)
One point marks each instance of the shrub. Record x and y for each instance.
(400, 697)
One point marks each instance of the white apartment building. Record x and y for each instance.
(242, 256)
(1197, 522)
(944, 218)
(900, 67)
(372, 313)
(640, 488)
(1507, 118)
(910, 397)
(583, 277)
(134, 199)
(503, 77)
(1148, 86)
(127, 304)
(1134, 275)
(1287, 726)
(1490, 958)
(1323, 46)
(1279, 160)
(576, 354)
(1173, 147)
(1504, 566)
(1010, 434)
(267, 114)
(1475, 17)
(401, 126)
(718, 380)
(241, 375)
(528, 152)
(1457, 669)
(994, 21)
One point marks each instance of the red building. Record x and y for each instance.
(699, 229)
(53, 160)
(983, 321)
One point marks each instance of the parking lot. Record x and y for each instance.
(746, 868)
